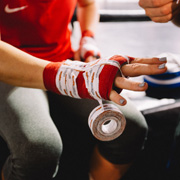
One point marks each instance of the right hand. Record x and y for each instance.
(160, 10)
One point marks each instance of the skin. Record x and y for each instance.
(162, 10)
(21, 69)
(30, 68)
(88, 17)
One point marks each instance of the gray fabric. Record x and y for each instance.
(33, 140)
(122, 150)
(127, 147)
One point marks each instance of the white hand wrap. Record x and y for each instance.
(88, 47)
(70, 70)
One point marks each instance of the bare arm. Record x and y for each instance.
(19, 68)
(87, 14)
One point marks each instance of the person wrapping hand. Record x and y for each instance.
(35, 48)
(103, 78)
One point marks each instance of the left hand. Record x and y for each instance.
(88, 50)
(160, 10)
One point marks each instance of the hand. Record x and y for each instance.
(88, 50)
(160, 10)
(78, 57)
(138, 66)
(100, 79)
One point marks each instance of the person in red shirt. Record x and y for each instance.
(35, 42)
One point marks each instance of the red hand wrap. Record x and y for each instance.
(88, 46)
(83, 80)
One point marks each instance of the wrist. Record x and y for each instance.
(88, 46)
(49, 76)
(87, 33)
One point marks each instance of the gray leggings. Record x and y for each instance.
(34, 141)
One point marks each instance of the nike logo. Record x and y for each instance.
(7, 9)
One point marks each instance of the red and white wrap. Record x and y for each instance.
(106, 122)
(88, 46)
(92, 80)
(77, 79)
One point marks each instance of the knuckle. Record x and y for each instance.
(141, 3)
(148, 12)
(165, 10)
(155, 19)
(155, 3)
(118, 81)
(163, 19)
(169, 17)
(135, 68)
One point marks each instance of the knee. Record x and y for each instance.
(138, 131)
(39, 158)
(126, 147)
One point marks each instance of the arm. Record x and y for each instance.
(162, 10)
(20, 69)
(87, 15)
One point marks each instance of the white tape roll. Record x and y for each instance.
(106, 122)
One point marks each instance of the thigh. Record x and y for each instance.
(71, 118)
(75, 131)
(129, 144)
(76, 111)
(25, 118)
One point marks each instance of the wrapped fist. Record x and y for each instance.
(77, 79)
(88, 46)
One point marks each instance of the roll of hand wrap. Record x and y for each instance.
(106, 122)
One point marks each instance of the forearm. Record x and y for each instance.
(87, 14)
(19, 68)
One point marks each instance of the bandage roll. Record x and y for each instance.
(106, 122)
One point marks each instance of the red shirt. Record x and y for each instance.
(39, 27)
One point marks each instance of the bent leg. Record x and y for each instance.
(33, 140)
(117, 154)
(112, 159)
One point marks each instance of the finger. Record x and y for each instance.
(124, 83)
(137, 69)
(118, 99)
(153, 3)
(166, 10)
(166, 18)
(154, 60)
(77, 55)
(90, 58)
(163, 19)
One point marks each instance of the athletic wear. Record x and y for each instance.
(33, 139)
(39, 27)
